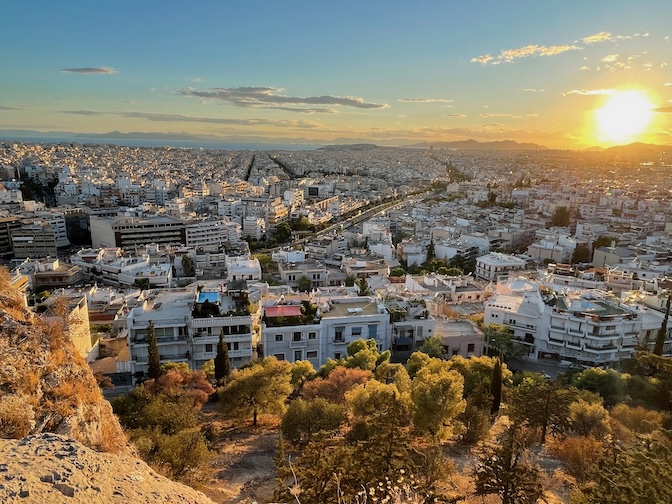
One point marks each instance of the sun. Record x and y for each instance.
(625, 115)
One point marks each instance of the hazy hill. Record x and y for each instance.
(476, 145)
(637, 149)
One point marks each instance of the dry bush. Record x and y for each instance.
(17, 418)
(336, 384)
(639, 419)
(579, 455)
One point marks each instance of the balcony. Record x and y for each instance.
(297, 343)
(214, 338)
(338, 341)
(233, 354)
(197, 323)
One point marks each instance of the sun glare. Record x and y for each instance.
(625, 115)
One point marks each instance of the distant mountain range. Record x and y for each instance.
(633, 149)
(506, 145)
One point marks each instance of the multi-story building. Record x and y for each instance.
(494, 265)
(37, 239)
(211, 234)
(7, 225)
(136, 231)
(188, 324)
(321, 327)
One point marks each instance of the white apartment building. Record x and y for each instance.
(211, 234)
(290, 333)
(589, 327)
(492, 266)
(254, 227)
(242, 268)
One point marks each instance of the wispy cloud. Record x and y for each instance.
(597, 38)
(8, 107)
(207, 120)
(610, 58)
(90, 70)
(590, 92)
(663, 110)
(456, 115)
(425, 100)
(533, 90)
(509, 55)
(488, 114)
(270, 97)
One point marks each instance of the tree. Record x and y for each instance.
(589, 419)
(496, 387)
(154, 366)
(303, 419)
(188, 266)
(560, 217)
(581, 254)
(304, 284)
(545, 405)
(222, 362)
(601, 241)
(437, 396)
(638, 474)
(662, 332)
(302, 371)
(336, 384)
(500, 341)
(608, 383)
(502, 470)
(283, 232)
(431, 252)
(433, 346)
(363, 287)
(142, 283)
(261, 388)
(364, 354)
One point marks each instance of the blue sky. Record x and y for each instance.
(387, 72)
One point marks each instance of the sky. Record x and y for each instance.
(387, 72)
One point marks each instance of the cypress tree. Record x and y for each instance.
(496, 386)
(662, 332)
(153, 353)
(222, 363)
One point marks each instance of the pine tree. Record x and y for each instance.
(153, 353)
(222, 363)
(662, 332)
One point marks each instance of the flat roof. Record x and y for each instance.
(283, 311)
(351, 309)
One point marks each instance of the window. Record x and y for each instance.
(312, 354)
(471, 347)
(298, 355)
(357, 331)
(337, 355)
(278, 337)
(338, 334)
(208, 347)
(236, 345)
(312, 335)
(279, 356)
(373, 331)
(296, 336)
(455, 351)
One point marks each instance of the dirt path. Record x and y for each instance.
(243, 467)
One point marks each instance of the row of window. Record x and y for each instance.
(298, 355)
(297, 336)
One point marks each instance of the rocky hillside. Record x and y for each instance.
(50, 468)
(54, 420)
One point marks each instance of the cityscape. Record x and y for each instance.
(403, 272)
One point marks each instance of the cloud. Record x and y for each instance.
(208, 120)
(667, 84)
(610, 58)
(663, 110)
(482, 59)
(8, 107)
(425, 100)
(533, 90)
(90, 70)
(590, 92)
(584, 67)
(455, 115)
(598, 37)
(305, 110)
(509, 55)
(269, 98)
(487, 114)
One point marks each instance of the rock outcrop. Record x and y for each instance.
(49, 468)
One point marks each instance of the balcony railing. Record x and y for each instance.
(297, 343)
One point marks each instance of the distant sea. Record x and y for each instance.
(184, 144)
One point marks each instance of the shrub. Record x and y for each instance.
(579, 456)
(333, 387)
(305, 418)
(639, 419)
